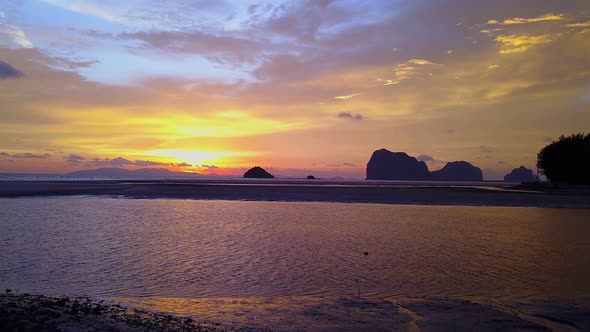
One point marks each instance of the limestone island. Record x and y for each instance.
(521, 174)
(258, 173)
(387, 165)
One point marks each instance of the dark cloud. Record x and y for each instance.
(8, 71)
(501, 162)
(451, 131)
(209, 166)
(74, 159)
(149, 163)
(341, 165)
(425, 158)
(29, 155)
(181, 164)
(348, 115)
(4, 154)
(119, 161)
(486, 149)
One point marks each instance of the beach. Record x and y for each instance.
(24, 312)
(378, 192)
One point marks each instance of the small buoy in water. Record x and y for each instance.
(366, 253)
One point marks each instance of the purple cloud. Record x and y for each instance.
(425, 158)
(8, 71)
(149, 163)
(29, 155)
(74, 159)
(348, 115)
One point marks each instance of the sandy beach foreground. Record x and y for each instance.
(466, 194)
(43, 313)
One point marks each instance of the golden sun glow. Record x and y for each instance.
(193, 157)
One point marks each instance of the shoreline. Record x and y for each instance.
(453, 194)
(23, 312)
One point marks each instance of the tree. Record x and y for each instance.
(566, 160)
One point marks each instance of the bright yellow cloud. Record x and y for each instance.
(579, 25)
(420, 62)
(405, 71)
(521, 43)
(347, 96)
(520, 20)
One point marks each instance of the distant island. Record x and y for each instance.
(521, 174)
(458, 171)
(258, 172)
(387, 165)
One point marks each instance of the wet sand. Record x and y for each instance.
(311, 191)
(307, 313)
(43, 313)
(26, 312)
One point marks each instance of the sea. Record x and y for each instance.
(160, 252)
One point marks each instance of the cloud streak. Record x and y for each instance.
(520, 20)
(350, 116)
(28, 155)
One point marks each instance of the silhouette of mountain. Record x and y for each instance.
(521, 174)
(387, 165)
(258, 173)
(458, 171)
(114, 172)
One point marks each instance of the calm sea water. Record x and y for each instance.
(185, 248)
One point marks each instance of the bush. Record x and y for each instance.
(567, 160)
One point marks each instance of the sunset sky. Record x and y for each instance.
(298, 87)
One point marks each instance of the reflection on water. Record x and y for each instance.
(184, 248)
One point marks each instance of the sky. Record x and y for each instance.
(297, 87)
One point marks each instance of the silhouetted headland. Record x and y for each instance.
(567, 160)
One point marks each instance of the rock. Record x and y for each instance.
(521, 174)
(311, 177)
(458, 171)
(258, 173)
(387, 165)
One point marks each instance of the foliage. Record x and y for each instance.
(566, 160)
